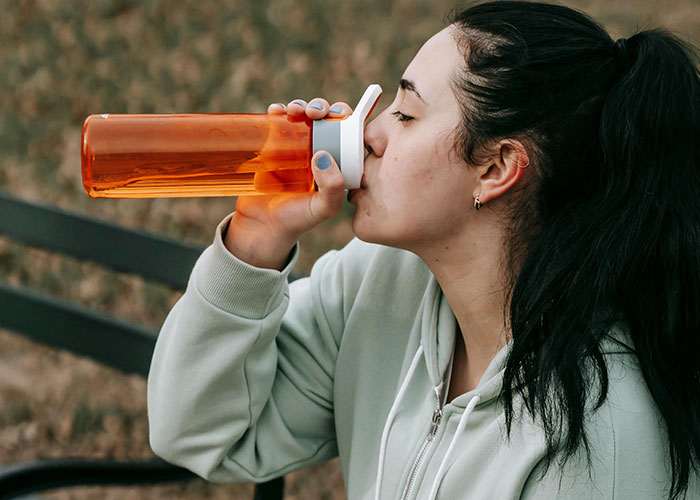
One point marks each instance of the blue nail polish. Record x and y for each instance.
(336, 109)
(300, 103)
(323, 161)
(316, 105)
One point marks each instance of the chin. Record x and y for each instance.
(364, 229)
(369, 232)
(359, 229)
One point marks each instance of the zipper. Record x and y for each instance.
(437, 418)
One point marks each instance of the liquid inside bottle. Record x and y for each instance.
(181, 155)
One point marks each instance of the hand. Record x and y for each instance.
(264, 228)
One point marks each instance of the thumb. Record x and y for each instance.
(327, 201)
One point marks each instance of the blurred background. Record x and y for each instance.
(61, 61)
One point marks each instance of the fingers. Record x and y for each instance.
(276, 109)
(315, 109)
(339, 109)
(296, 107)
(327, 201)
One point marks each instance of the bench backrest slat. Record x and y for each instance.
(127, 250)
(102, 337)
(124, 346)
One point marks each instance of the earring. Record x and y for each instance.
(526, 165)
(477, 203)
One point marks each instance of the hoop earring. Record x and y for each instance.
(527, 164)
(477, 203)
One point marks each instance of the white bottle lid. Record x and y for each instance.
(344, 139)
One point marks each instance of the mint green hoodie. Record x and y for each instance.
(253, 378)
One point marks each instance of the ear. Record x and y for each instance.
(504, 169)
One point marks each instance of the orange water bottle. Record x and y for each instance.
(188, 155)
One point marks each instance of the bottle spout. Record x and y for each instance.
(352, 137)
(367, 102)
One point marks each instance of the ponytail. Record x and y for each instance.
(608, 229)
(651, 125)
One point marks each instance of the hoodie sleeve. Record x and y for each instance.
(241, 380)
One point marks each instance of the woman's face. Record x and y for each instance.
(416, 190)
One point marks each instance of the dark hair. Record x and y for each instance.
(608, 228)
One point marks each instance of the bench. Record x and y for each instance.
(121, 345)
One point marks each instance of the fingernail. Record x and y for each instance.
(323, 161)
(300, 103)
(336, 109)
(316, 105)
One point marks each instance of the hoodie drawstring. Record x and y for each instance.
(390, 419)
(445, 461)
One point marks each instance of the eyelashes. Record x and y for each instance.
(401, 117)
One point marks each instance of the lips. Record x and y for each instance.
(352, 193)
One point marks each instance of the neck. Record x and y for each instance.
(468, 269)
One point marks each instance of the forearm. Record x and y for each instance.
(215, 360)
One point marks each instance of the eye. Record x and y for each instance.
(401, 117)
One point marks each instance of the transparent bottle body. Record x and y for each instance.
(193, 155)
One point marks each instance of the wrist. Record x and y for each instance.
(257, 248)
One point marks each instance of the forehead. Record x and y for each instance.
(434, 66)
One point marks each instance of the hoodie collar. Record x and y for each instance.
(438, 334)
(438, 329)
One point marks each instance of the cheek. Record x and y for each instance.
(414, 177)
(410, 166)
(405, 191)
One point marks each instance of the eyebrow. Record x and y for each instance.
(409, 85)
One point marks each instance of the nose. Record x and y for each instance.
(375, 138)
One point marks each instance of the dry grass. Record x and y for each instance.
(60, 61)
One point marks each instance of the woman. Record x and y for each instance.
(518, 317)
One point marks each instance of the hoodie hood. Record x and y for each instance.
(436, 349)
(438, 330)
(438, 335)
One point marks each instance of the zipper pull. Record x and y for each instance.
(437, 416)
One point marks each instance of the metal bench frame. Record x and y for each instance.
(59, 323)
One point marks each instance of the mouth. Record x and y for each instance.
(363, 182)
(363, 187)
(352, 193)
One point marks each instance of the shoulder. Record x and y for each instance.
(634, 421)
(627, 439)
(362, 258)
(636, 430)
(364, 268)
(361, 281)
